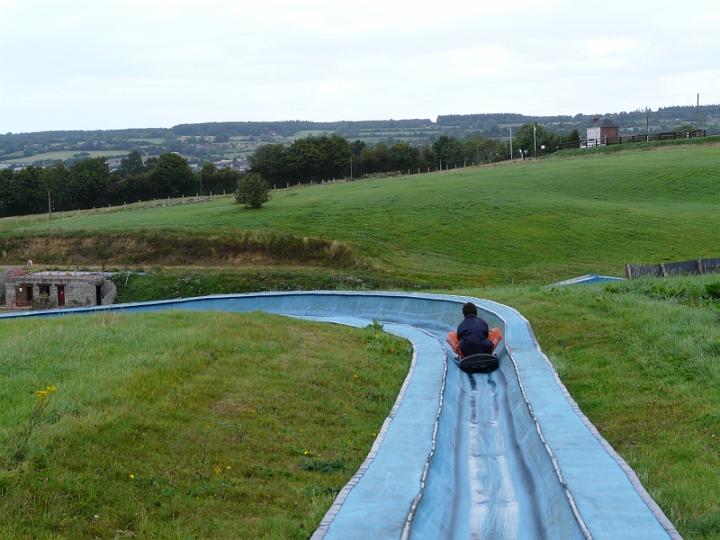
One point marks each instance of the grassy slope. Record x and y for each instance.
(642, 358)
(643, 362)
(524, 222)
(66, 154)
(187, 425)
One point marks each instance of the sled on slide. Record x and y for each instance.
(480, 362)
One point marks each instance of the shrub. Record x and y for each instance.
(252, 191)
(713, 290)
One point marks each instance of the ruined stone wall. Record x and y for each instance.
(109, 292)
(78, 293)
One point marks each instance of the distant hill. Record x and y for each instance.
(212, 141)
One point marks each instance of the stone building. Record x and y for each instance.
(601, 131)
(43, 290)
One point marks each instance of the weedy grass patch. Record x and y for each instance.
(642, 359)
(185, 425)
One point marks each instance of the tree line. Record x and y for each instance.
(312, 159)
(88, 183)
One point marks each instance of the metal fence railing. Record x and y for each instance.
(694, 267)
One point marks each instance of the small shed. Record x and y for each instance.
(57, 289)
(601, 131)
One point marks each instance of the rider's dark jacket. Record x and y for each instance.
(473, 333)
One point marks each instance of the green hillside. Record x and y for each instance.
(641, 358)
(185, 425)
(522, 222)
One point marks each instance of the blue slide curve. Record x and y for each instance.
(500, 455)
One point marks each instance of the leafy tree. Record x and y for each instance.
(574, 137)
(131, 165)
(87, 183)
(524, 139)
(448, 150)
(403, 157)
(357, 146)
(252, 190)
(172, 176)
(207, 177)
(55, 179)
(271, 162)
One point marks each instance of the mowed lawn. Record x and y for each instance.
(642, 359)
(185, 425)
(522, 222)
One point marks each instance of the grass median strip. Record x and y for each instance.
(186, 424)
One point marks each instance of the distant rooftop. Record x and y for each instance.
(603, 123)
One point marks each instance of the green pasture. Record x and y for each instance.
(185, 425)
(513, 223)
(67, 154)
(148, 140)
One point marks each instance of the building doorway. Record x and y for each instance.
(98, 295)
(61, 295)
(23, 295)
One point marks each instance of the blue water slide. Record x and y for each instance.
(503, 455)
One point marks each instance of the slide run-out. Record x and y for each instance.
(504, 455)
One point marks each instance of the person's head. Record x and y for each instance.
(469, 309)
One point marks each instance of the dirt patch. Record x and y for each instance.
(177, 249)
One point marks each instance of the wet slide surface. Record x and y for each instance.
(500, 455)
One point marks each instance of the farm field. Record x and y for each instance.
(186, 424)
(533, 222)
(66, 154)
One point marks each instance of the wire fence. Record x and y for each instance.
(631, 139)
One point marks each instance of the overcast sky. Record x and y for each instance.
(103, 64)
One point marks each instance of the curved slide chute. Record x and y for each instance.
(500, 455)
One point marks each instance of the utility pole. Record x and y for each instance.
(511, 154)
(697, 112)
(647, 124)
(534, 140)
(49, 206)
(351, 171)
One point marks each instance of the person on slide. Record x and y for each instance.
(473, 335)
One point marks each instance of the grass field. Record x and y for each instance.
(642, 359)
(148, 140)
(186, 425)
(533, 222)
(67, 154)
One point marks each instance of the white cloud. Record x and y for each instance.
(123, 63)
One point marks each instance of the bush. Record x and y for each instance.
(713, 290)
(252, 191)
